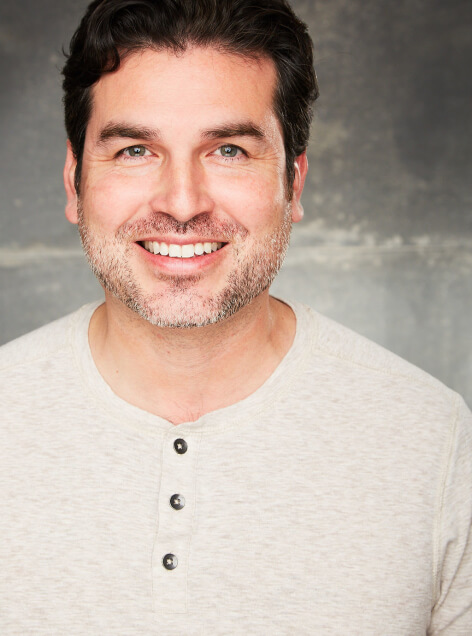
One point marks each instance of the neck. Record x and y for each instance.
(181, 374)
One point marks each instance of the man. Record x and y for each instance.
(193, 456)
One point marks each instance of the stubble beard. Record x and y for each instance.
(181, 305)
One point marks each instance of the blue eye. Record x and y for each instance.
(228, 150)
(135, 151)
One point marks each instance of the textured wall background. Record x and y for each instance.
(386, 244)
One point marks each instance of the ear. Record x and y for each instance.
(301, 168)
(69, 184)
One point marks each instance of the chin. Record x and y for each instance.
(186, 311)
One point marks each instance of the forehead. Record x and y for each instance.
(196, 87)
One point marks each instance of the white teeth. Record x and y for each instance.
(175, 251)
(188, 251)
(181, 251)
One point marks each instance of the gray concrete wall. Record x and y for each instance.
(386, 244)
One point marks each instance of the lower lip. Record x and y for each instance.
(183, 266)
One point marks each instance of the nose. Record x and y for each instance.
(181, 190)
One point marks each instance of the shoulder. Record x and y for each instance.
(42, 344)
(41, 375)
(330, 338)
(348, 367)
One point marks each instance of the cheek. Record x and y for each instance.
(111, 201)
(254, 202)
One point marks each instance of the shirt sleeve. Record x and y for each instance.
(452, 612)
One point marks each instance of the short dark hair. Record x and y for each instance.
(112, 29)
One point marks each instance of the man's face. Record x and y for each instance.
(184, 154)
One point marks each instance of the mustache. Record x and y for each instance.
(203, 225)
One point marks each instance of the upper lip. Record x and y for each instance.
(182, 240)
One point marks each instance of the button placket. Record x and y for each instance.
(175, 520)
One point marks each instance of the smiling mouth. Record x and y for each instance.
(188, 250)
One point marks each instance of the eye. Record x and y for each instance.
(135, 151)
(230, 151)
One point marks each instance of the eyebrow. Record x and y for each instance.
(235, 130)
(119, 130)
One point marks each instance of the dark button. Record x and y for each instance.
(180, 446)
(177, 502)
(170, 561)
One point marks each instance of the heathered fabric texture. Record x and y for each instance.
(335, 500)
